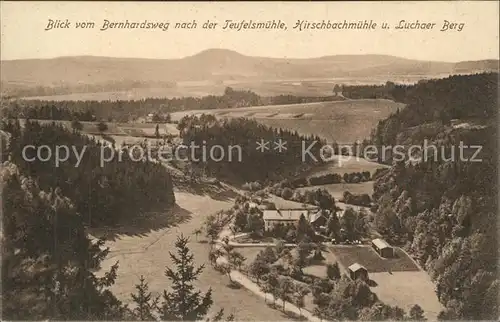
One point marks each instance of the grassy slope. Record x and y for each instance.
(343, 121)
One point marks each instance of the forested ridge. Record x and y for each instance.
(126, 110)
(111, 193)
(268, 164)
(444, 210)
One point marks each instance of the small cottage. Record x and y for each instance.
(358, 271)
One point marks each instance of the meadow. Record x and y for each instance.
(337, 189)
(340, 121)
(367, 257)
(298, 87)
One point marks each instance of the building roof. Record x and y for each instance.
(285, 214)
(380, 243)
(252, 205)
(315, 216)
(356, 267)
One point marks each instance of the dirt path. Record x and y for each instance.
(148, 255)
(253, 287)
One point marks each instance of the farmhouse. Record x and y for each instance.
(284, 216)
(149, 118)
(358, 271)
(317, 219)
(383, 248)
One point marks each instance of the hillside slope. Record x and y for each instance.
(442, 205)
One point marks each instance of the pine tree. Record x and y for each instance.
(184, 302)
(146, 303)
(157, 131)
(417, 313)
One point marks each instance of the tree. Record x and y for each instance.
(255, 223)
(76, 125)
(213, 254)
(212, 228)
(102, 127)
(333, 271)
(287, 194)
(225, 268)
(236, 259)
(303, 250)
(268, 255)
(167, 118)
(382, 312)
(285, 290)
(258, 268)
(304, 229)
(333, 226)
(157, 131)
(197, 232)
(321, 300)
(240, 220)
(298, 297)
(272, 284)
(348, 223)
(146, 304)
(183, 302)
(416, 313)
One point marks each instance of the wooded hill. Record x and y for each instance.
(443, 210)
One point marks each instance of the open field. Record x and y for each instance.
(341, 121)
(146, 253)
(406, 289)
(346, 164)
(300, 87)
(200, 89)
(337, 189)
(367, 257)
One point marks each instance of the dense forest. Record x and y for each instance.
(47, 258)
(108, 193)
(123, 111)
(443, 210)
(49, 264)
(268, 165)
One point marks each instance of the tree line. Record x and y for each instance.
(109, 193)
(129, 110)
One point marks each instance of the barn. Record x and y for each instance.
(383, 248)
(358, 271)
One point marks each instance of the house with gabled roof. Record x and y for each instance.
(288, 217)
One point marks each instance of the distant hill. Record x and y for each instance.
(215, 65)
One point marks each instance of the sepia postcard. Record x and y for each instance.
(249, 161)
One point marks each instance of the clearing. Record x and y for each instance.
(346, 164)
(145, 252)
(406, 289)
(366, 256)
(337, 189)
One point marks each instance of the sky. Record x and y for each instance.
(23, 35)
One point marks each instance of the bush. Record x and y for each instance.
(101, 127)
(357, 199)
(287, 194)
